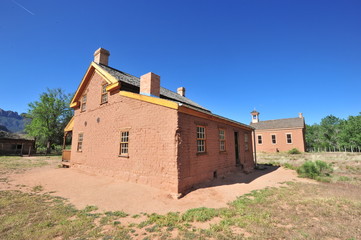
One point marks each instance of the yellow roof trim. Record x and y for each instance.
(70, 125)
(113, 86)
(92, 67)
(154, 100)
(109, 78)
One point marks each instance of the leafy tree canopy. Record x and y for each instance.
(49, 117)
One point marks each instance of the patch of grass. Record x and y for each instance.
(344, 178)
(315, 170)
(30, 216)
(290, 166)
(294, 151)
(200, 214)
(21, 163)
(38, 188)
(120, 214)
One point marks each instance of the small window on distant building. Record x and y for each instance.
(124, 143)
(254, 116)
(259, 138)
(274, 141)
(246, 147)
(201, 139)
(80, 142)
(289, 137)
(83, 103)
(222, 140)
(104, 94)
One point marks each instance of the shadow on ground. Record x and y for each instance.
(238, 177)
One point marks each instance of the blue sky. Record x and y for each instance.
(278, 57)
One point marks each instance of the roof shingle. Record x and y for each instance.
(135, 81)
(280, 123)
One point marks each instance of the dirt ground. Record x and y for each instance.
(110, 194)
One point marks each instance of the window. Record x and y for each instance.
(222, 140)
(289, 137)
(246, 147)
(124, 143)
(201, 139)
(83, 103)
(80, 142)
(104, 94)
(259, 139)
(273, 137)
(254, 117)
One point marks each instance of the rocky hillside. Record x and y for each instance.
(12, 122)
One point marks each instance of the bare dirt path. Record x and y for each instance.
(110, 194)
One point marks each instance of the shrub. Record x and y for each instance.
(294, 151)
(315, 170)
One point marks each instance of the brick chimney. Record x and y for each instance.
(181, 91)
(300, 115)
(101, 56)
(150, 84)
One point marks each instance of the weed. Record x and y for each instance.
(38, 188)
(90, 209)
(294, 151)
(289, 166)
(120, 214)
(315, 169)
(200, 214)
(343, 178)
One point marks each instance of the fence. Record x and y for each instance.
(336, 149)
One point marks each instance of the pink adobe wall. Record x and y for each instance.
(195, 168)
(281, 141)
(152, 142)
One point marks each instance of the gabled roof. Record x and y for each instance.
(135, 81)
(280, 123)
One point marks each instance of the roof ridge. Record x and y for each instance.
(166, 92)
(280, 119)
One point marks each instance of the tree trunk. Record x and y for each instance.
(48, 147)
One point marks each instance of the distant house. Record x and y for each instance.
(134, 129)
(12, 144)
(279, 135)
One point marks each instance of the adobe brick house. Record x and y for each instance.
(134, 129)
(279, 135)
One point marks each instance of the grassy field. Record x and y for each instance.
(320, 210)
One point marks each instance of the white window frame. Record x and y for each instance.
(201, 139)
(80, 143)
(222, 140)
(83, 103)
(124, 143)
(104, 92)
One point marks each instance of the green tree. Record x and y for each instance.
(330, 128)
(48, 117)
(351, 132)
(313, 140)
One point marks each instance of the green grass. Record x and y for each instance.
(17, 164)
(293, 211)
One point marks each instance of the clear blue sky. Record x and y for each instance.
(280, 57)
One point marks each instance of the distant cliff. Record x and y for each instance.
(12, 121)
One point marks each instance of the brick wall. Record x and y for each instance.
(195, 168)
(152, 142)
(281, 140)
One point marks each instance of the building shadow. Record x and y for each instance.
(237, 177)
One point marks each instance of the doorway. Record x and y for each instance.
(236, 148)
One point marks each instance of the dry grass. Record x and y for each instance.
(293, 211)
